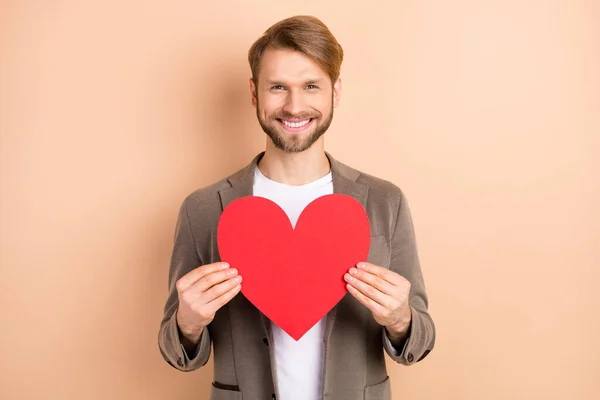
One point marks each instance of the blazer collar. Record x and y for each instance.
(344, 182)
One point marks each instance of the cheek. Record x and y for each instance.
(322, 102)
(268, 106)
(324, 106)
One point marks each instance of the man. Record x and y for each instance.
(295, 85)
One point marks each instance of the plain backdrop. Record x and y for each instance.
(486, 114)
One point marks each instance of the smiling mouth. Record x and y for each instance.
(295, 125)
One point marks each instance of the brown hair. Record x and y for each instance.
(301, 33)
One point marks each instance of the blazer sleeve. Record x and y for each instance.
(184, 258)
(405, 261)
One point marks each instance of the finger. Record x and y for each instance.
(364, 300)
(223, 299)
(197, 273)
(373, 280)
(384, 273)
(212, 279)
(369, 291)
(221, 288)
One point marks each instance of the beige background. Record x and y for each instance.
(486, 113)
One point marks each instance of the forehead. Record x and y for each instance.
(289, 65)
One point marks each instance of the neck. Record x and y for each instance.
(294, 168)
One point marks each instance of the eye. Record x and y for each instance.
(277, 87)
(312, 87)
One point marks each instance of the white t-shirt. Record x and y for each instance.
(299, 364)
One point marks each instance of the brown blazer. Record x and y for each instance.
(354, 343)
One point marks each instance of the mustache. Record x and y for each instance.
(286, 115)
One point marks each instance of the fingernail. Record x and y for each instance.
(353, 271)
(362, 265)
(238, 279)
(233, 271)
(348, 277)
(225, 265)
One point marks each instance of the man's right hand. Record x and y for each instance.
(201, 293)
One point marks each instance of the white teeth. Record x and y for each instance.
(296, 124)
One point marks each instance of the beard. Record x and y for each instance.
(294, 142)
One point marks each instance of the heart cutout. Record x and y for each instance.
(294, 276)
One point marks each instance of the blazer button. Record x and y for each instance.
(265, 341)
(410, 357)
(180, 362)
(273, 396)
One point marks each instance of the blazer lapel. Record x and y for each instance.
(344, 182)
(242, 183)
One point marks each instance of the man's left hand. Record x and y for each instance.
(386, 294)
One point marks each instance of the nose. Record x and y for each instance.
(294, 103)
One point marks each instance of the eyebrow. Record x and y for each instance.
(310, 81)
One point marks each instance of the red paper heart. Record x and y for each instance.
(294, 276)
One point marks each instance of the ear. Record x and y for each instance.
(337, 91)
(253, 92)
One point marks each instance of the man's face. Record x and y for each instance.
(294, 99)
